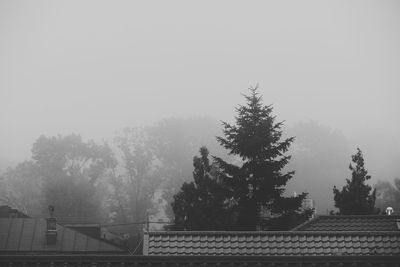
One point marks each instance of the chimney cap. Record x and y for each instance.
(51, 210)
(389, 211)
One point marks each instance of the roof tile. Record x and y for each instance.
(275, 243)
(351, 223)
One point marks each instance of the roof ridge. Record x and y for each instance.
(273, 233)
(359, 216)
(349, 223)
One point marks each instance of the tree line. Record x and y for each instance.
(250, 195)
(242, 186)
(118, 182)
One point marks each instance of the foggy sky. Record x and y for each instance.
(94, 67)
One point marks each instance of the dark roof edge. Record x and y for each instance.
(120, 257)
(72, 225)
(359, 216)
(319, 217)
(54, 253)
(287, 233)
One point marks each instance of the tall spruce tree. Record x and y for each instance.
(258, 185)
(202, 204)
(356, 197)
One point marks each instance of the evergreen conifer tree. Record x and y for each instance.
(202, 204)
(258, 185)
(356, 197)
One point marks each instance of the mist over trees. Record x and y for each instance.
(388, 195)
(65, 172)
(175, 142)
(135, 181)
(141, 169)
(69, 70)
(155, 162)
(21, 188)
(72, 170)
(320, 158)
(137, 174)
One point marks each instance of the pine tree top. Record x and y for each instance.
(255, 135)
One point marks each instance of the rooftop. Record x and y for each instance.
(182, 261)
(271, 243)
(8, 212)
(351, 223)
(29, 235)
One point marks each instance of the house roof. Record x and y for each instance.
(8, 212)
(351, 223)
(29, 235)
(185, 261)
(271, 243)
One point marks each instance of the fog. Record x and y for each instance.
(95, 67)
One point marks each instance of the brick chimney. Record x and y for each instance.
(51, 228)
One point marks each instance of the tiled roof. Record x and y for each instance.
(29, 235)
(351, 223)
(271, 243)
(68, 260)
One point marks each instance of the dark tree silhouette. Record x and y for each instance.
(356, 198)
(258, 185)
(202, 204)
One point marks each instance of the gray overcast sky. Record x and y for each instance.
(94, 67)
